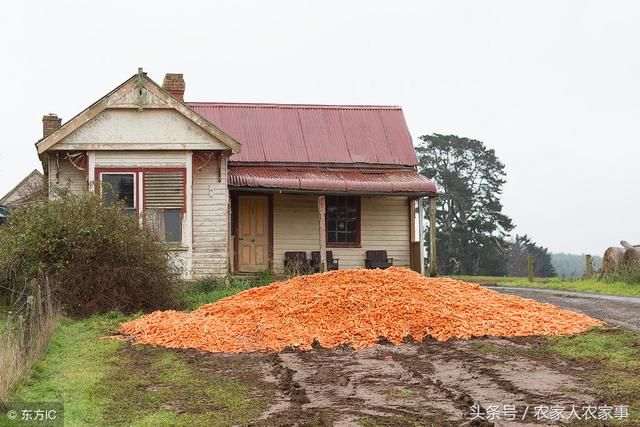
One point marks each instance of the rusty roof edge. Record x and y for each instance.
(324, 192)
(278, 180)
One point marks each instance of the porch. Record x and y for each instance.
(267, 224)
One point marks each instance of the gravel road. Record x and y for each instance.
(621, 311)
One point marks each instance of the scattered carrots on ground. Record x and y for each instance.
(354, 307)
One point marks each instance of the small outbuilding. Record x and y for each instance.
(30, 187)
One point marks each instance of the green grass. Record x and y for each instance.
(612, 358)
(152, 386)
(614, 348)
(590, 286)
(108, 382)
(401, 393)
(211, 289)
(73, 366)
(193, 300)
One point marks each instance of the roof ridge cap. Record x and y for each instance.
(293, 106)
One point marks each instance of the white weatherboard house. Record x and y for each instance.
(238, 188)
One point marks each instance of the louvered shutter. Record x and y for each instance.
(163, 190)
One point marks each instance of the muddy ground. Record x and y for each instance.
(431, 383)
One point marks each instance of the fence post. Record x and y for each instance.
(47, 295)
(29, 323)
(433, 258)
(530, 267)
(322, 209)
(588, 272)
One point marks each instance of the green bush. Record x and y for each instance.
(96, 258)
(210, 289)
(265, 277)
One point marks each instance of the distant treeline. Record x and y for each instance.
(571, 265)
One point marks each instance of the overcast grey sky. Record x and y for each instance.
(553, 87)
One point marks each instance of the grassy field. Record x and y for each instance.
(592, 286)
(108, 382)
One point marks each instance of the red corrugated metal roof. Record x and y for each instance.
(331, 179)
(282, 133)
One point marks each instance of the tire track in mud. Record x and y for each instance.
(353, 385)
(420, 382)
(430, 383)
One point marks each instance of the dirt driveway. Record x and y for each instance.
(621, 311)
(430, 383)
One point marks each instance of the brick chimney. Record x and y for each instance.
(50, 123)
(174, 84)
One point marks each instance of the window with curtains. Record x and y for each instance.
(163, 204)
(343, 221)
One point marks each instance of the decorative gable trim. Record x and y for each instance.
(137, 92)
(139, 98)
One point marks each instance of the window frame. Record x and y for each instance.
(183, 171)
(357, 243)
(136, 195)
(181, 219)
(139, 191)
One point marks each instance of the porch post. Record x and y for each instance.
(421, 231)
(433, 261)
(323, 233)
(91, 171)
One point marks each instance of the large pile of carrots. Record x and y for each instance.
(352, 307)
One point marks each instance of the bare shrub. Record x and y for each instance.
(297, 268)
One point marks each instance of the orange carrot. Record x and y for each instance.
(353, 307)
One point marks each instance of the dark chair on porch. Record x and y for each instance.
(377, 259)
(332, 263)
(296, 263)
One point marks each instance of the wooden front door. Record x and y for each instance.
(253, 233)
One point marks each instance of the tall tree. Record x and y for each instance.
(517, 253)
(471, 227)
